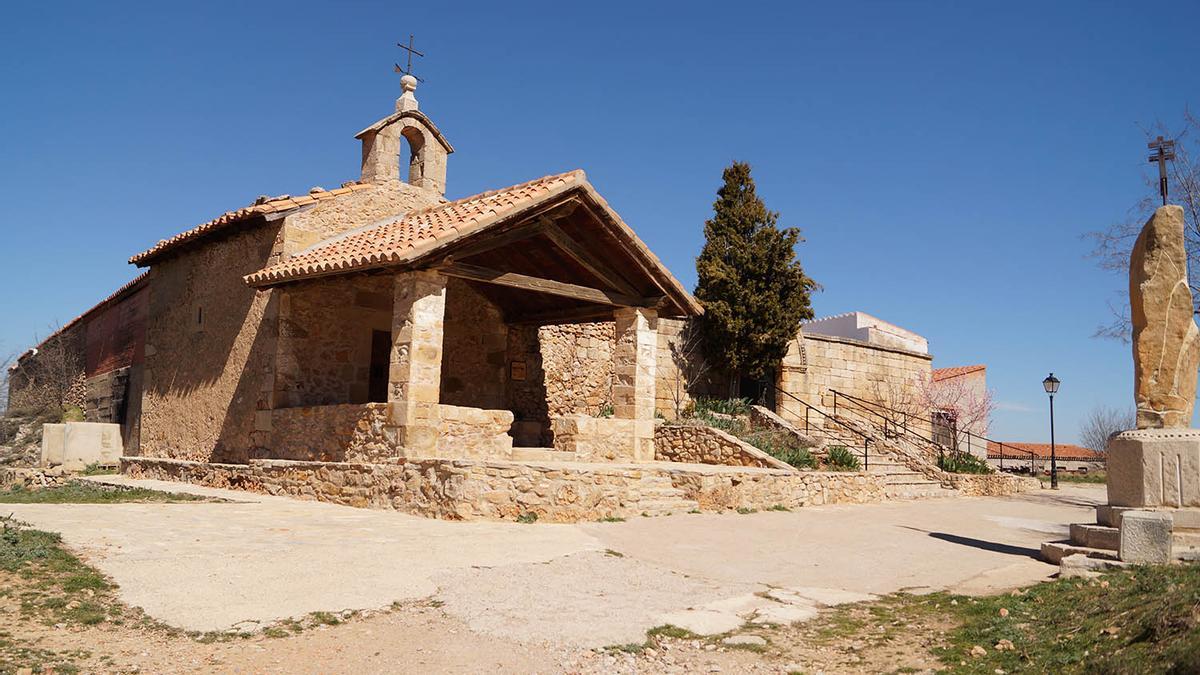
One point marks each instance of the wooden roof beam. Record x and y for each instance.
(540, 285)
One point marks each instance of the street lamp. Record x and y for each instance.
(1051, 385)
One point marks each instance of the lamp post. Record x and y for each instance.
(1051, 386)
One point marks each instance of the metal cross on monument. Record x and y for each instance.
(407, 70)
(1164, 152)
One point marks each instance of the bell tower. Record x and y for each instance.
(383, 143)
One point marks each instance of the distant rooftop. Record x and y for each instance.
(866, 328)
(940, 374)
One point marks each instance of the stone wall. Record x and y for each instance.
(474, 433)
(325, 335)
(596, 439)
(696, 444)
(209, 380)
(474, 349)
(331, 433)
(993, 484)
(210, 347)
(497, 490)
(817, 364)
(555, 371)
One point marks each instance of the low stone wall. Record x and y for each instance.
(476, 433)
(498, 490)
(331, 433)
(698, 444)
(794, 489)
(993, 484)
(595, 439)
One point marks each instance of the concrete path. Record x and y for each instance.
(209, 566)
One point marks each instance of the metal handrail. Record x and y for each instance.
(808, 407)
(968, 434)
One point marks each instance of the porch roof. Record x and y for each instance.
(554, 236)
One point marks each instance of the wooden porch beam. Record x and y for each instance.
(537, 284)
(585, 258)
(555, 316)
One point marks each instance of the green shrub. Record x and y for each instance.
(963, 462)
(606, 410)
(840, 458)
(723, 406)
(73, 414)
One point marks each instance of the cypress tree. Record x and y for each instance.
(754, 291)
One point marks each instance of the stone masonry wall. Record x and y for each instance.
(595, 439)
(993, 484)
(325, 335)
(210, 346)
(209, 379)
(483, 490)
(474, 433)
(817, 364)
(696, 444)
(332, 433)
(474, 346)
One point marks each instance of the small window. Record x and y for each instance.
(197, 321)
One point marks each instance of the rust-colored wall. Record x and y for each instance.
(115, 336)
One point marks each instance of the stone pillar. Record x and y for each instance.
(415, 375)
(634, 369)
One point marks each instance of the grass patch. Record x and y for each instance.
(782, 446)
(85, 492)
(778, 507)
(1141, 620)
(1093, 477)
(96, 469)
(51, 584)
(746, 511)
(611, 519)
(529, 517)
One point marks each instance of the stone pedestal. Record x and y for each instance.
(1154, 468)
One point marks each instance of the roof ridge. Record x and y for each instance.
(482, 195)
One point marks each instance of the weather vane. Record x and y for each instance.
(407, 70)
(1164, 152)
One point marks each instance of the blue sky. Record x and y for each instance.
(943, 159)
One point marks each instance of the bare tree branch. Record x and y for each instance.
(1101, 423)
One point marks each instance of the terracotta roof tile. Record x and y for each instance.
(947, 373)
(270, 206)
(401, 238)
(1042, 451)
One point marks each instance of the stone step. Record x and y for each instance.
(666, 507)
(1095, 536)
(1054, 551)
(541, 455)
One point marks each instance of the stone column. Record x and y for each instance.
(634, 368)
(415, 375)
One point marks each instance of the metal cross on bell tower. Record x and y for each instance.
(1164, 152)
(407, 70)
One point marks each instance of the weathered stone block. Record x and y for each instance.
(1146, 537)
(1154, 467)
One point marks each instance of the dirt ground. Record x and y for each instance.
(431, 596)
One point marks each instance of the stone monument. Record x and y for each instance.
(1158, 464)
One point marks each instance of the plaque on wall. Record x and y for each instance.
(516, 370)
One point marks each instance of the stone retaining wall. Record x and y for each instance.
(497, 490)
(697, 444)
(474, 433)
(330, 433)
(595, 439)
(993, 484)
